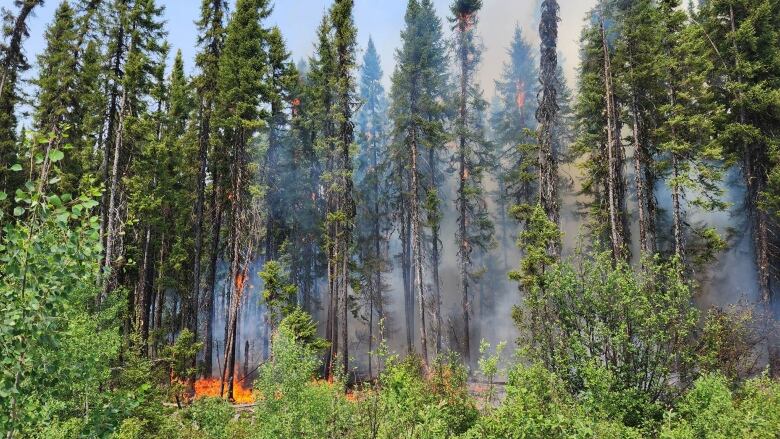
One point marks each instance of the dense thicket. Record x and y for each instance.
(152, 221)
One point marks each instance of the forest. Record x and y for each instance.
(264, 245)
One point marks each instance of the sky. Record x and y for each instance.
(380, 19)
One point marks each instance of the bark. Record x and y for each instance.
(643, 189)
(141, 292)
(408, 275)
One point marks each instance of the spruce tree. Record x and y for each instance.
(12, 64)
(139, 29)
(745, 57)
(238, 116)
(211, 32)
(417, 120)
(547, 111)
(56, 114)
(341, 211)
(687, 134)
(372, 222)
(513, 115)
(475, 228)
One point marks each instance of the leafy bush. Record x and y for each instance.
(712, 410)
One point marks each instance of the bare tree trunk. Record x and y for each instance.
(679, 246)
(406, 266)
(113, 190)
(643, 191)
(141, 293)
(614, 156)
(417, 244)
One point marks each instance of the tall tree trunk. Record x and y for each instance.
(211, 283)
(679, 246)
(435, 257)
(200, 199)
(547, 112)
(407, 273)
(463, 171)
(643, 190)
(417, 243)
(614, 156)
(113, 200)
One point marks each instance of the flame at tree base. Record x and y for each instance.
(209, 387)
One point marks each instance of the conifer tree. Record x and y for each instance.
(238, 116)
(745, 58)
(372, 204)
(12, 64)
(475, 229)
(417, 121)
(547, 111)
(281, 79)
(687, 134)
(211, 32)
(513, 115)
(57, 110)
(139, 29)
(341, 212)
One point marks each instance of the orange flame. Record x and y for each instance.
(209, 387)
(240, 279)
(520, 98)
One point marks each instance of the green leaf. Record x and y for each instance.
(18, 211)
(16, 168)
(3, 196)
(57, 155)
